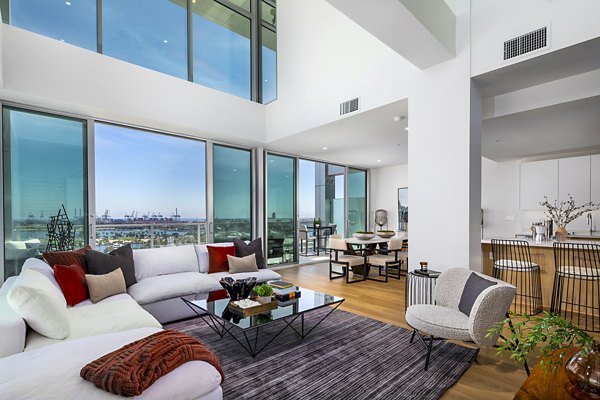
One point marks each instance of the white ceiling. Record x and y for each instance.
(567, 128)
(572, 60)
(357, 140)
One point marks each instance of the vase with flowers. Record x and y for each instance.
(565, 212)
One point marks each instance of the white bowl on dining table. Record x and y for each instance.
(364, 236)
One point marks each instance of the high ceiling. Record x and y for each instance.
(369, 140)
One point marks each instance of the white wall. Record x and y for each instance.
(444, 155)
(495, 21)
(47, 73)
(500, 202)
(385, 183)
(323, 59)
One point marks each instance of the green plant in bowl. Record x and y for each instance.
(364, 232)
(263, 290)
(264, 293)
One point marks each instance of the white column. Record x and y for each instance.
(444, 155)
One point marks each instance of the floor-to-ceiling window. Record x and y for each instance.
(150, 188)
(232, 194)
(322, 194)
(357, 200)
(228, 45)
(280, 208)
(44, 161)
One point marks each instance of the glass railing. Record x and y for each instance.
(148, 235)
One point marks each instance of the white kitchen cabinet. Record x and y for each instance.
(595, 178)
(574, 179)
(538, 179)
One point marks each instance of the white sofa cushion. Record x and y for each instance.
(262, 275)
(40, 304)
(163, 287)
(113, 314)
(164, 261)
(12, 326)
(43, 267)
(53, 372)
(202, 255)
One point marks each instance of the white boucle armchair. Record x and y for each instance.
(444, 320)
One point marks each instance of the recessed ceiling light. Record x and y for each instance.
(68, 3)
(396, 118)
(406, 128)
(324, 148)
(165, 41)
(378, 160)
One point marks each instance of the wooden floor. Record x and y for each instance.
(490, 378)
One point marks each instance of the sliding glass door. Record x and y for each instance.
(44, 168)
(232, 193)
(357, 200)
(280, 208)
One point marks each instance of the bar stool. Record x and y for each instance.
(512, 264)
(576, 291)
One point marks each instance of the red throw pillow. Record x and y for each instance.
(217, 258)
(71, 279)
(67, 258)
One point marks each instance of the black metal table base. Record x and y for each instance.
(251, 345)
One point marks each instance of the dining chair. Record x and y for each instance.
(388, 260)
(337, 257)
(304, 236)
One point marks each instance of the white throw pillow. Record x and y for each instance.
(40, 304)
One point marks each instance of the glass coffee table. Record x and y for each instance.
(214, 310)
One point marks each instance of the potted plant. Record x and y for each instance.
(554, 336)
(317, 222)
(264, 293)
(565, 212)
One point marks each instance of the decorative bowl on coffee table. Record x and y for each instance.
(238, 289)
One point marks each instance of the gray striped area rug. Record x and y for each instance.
(346, 357)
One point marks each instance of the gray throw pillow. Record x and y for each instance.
(473, 288)
(99, 263)
(254, 247)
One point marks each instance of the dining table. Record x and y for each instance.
(318, 230)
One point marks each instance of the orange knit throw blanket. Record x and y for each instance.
(131, 369)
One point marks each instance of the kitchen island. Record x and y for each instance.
(541, 254)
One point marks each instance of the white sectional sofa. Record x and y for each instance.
(34, 366)
(166, 274)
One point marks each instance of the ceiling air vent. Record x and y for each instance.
(349, 106)
(526, 43)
